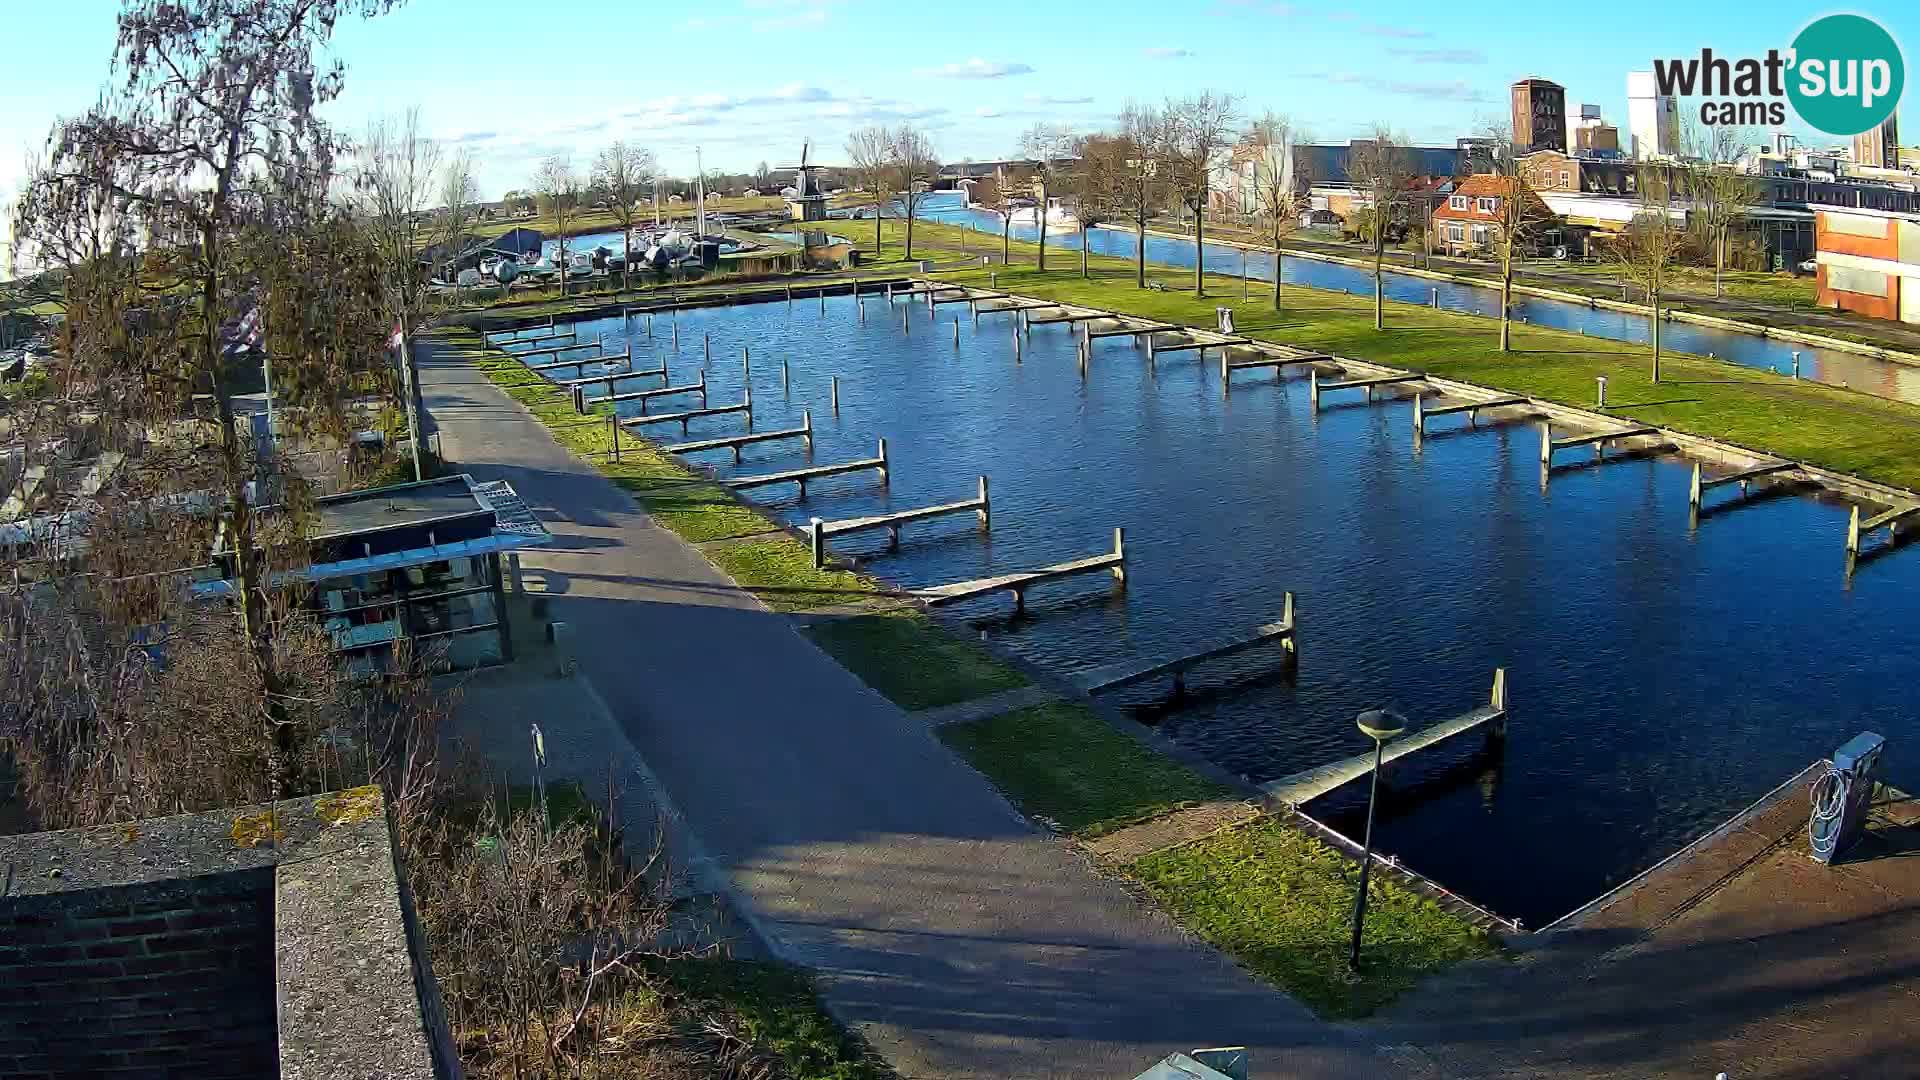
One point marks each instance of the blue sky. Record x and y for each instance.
(747, 80)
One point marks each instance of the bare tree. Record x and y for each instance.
(1646, 249)
(1198, 130)
(1098, 184)
(1277, 202)
(394, 183)
(1720, 195)
(624, 173)
(459, 198)
(1051, 148)
(1520, 217)
(911, 160)
(1144, 130)
(1382, 168)
(559, 187)
(870, 160)
(211, 152)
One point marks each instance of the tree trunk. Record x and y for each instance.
(560, 254)
(1279, 268)
(626, 264)
(410, 382)
(1040, 216)
(1140, 250)
(1506, 299)
(1653, 302)
(1199, 253)
(1379, 255)
(1083, 249)
(909, 205)
(1719, 259)
(1006, 238)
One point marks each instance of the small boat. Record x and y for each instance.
(1025, 212)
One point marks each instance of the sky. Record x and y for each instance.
(747, 81)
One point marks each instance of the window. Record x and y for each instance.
(1487, 205)
(1456, 233)
(1479, 234)
(1458, 202)
(1566, 178)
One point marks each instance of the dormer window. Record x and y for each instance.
(1488, 205)
(1458, 202)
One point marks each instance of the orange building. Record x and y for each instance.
(1469, 218)
(1868, 261)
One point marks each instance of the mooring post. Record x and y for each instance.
(823, 301)
(1498, 700)
(790, 304)
(1313, 388)
(1016, 343)
(886, 473)
(1853, 533)
(1546, 443)
(906, 319)
(676, 335)
(746, 399)
(1081, 352)
(703, 389)
(1436, 297)
(1419, 416)
(985, 512)
(1149, 348)
(649, 326)
(836, 395)
(1693, 490)
(1286, 616)
(806, 425)
(1120, 553)
(1796, 363)
(580, 400)
(817, 541)
(746, 362)
(956, 331)
(707, 347)
(783, 375)
(1224, 354)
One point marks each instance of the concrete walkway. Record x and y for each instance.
(960, 940)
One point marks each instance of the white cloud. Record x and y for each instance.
(1440, 56)
(1162, 52)
(987, 112)
(1042, 99)
(976, 68)
(1446, 91)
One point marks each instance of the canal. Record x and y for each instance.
(1661, 677)
(1837, 367)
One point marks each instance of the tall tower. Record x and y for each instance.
(1539, 114)
(1879, 147)
(1653, 120)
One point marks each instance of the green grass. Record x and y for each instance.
(774, 1009)
(780, 572)
(1281, 902)
(1061, 763)
(914, 662)
(1828, 426)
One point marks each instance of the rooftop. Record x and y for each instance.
(403, 504)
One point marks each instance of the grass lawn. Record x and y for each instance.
(1828, 426)
(781, 573)
(1060, 763)
(1281, 902)
(913, 661)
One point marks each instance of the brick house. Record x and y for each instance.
(1551, 170)
(1868, 261)
(1469, 218)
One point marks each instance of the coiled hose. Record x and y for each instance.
(1830, 795)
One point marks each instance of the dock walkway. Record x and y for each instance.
(1309, 784)
(1131, 673)
(1018, 583)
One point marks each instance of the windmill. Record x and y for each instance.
(808, 202)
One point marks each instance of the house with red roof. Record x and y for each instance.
(1470, 216)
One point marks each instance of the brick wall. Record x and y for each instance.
(172, 979)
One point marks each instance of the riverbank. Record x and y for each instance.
(1837, 429)
(1067, 767)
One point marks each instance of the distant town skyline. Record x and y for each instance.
(748, 80)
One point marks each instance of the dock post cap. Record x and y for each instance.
(1381, 724)
(1499, 698)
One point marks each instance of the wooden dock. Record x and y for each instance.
(609, 378)
(813, 472)
(1315, 387)
(690, 415)
(1305, 786)
(735, 442)
(1203, 346)
(1422, 412)
(1135, 331)
(1598, 440)
(553, 350)
(555, 365)
(818, 531)
(1070, 317)
(1018, 583)
(644, 396)
(493, 335)
(1228, 365)
(1117, 676)
(1889, 520)
(1701, 485)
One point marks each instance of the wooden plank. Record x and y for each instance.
(1280, 361)
(1220, 344)
(902, 517)
(1088, 317)
(1603, 436)
(554, 351)
(658, 391)
(1898, 513)
(801, 476)
(1134, 331)
(554, 365)
(683, 417)
(1019, 582)
(1377, 380)
(1708, 483)
(734, 442)
(589, 380)
(1116, 676)
(1310, 784)
(1472, 406)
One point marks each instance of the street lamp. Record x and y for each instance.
(1378, 725)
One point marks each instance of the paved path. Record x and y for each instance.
(963, 942)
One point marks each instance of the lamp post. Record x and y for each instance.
(1378, 725)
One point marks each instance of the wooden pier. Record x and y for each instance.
(609, 378)
(690, 415)
(813, 472)
(1315, 387)
(1890, 520)
(1117, 676)
(1228, 365)
(496, 335)
(1701, 485)
(735, 442)
(1070, 317)
(1135, 331)
(1422, 412)
(1598, 440)
(553, 350)
(1018, 583)
(1305, 786)
(818, 531)
(644, 396)
(555, 365)
(1203, 346)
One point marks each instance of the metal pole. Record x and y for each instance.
(836, 395)
(1366, 860)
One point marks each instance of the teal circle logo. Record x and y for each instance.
(1847, 74)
